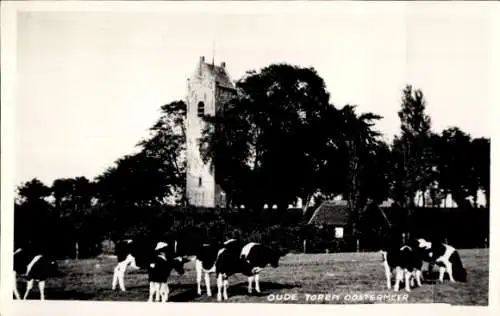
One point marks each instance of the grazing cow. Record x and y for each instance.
(160, 269)
(33, 267)
(407, 265)
(135, 254)
(206, 258)
(248, 260)
(446, 257)
(126, 255)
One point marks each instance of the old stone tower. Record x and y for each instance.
(207, 89)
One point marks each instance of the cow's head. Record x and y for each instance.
(424, 244)
(178, 264)
(51, 266)
(275, 254)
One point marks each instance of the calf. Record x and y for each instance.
(33, 267)
(159, 271)
(407, 265)
(135, 254)
(248, 260)
(206, 258)
(446, 257)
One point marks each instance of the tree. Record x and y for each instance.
(61, 190)
(480, 151)
(33, 192)
(455, 167)
(361, 144)
(166, 144)
(136, 180)
(73, 203)
(226, 144)
(411, 150)
(72, 193)
(34, 221)
(377, 172)
(269, 132)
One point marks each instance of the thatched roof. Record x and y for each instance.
(334, 213)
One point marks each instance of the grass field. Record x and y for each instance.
(300, 275)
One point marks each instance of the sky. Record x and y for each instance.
(89, 84)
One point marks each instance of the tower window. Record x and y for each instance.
(199, 182)
(201, 109)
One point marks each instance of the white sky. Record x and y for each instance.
(90, 84)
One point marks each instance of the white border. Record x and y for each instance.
(9, 10)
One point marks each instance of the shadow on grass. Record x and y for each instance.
(238, 289)
(62, 295)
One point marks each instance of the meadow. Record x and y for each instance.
(352, 278)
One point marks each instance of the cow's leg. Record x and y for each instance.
(164, 292)
(16, 291)
(115, 277)
(219, 287)
(207, 284)
(257, 283)
(226, 285)
(250, 280)
(167, 291)
(441, 274)
(423, 268)
(399, 278)
(407, 275)
(418, 277)
(41, 288)
(449, 270)
(121, 279)
(157, 291)
(29, 286)
(388, 275)
(413, 276)
(199, 272)
(151, 291)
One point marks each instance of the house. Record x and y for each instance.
(329, 228)
(334, 214)
(332, 226)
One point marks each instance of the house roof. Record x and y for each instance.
(331, 213)
(220, 74)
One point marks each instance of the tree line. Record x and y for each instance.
(280, 138)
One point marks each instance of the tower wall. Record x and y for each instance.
(203, 86)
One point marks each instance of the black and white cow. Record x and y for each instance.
(32, 266)
(159, 271)
(446, 257)
(249, 261)
(406, 263)
(135, 255)
(206, 259)
(126, 253)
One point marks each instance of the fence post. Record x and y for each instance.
(357, 245)
(305, 245)
(76, 250)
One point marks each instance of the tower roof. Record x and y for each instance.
(219, 73)
(221, 76)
